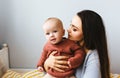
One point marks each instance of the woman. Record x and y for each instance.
(87, 30)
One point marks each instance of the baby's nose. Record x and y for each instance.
(51, 34)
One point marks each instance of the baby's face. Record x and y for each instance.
(53, 31)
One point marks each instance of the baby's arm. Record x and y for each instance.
(77, 59)
(42, 59)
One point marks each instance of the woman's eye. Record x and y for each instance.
(74, 29)
(55, 31)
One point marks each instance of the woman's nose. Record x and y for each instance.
(68, 30)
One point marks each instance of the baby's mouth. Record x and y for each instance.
(53, 39)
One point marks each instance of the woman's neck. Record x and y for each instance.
(81, 43)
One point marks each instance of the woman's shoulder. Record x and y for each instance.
(91, 62)
(93, 53)
(92, 56)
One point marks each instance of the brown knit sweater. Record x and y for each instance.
(66, 47)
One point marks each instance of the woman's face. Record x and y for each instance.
(75, 30)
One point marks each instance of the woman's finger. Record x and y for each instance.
(59, 57)
(58, 69)
(53, 53)
(62, 57)
(61, 66)
(62, 62)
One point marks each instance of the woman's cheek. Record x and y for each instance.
(78, 36)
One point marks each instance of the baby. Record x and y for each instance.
(54, 32)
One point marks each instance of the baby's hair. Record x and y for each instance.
(55, 19)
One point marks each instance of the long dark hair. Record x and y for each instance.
(95, 38)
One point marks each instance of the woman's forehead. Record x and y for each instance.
(76, 21)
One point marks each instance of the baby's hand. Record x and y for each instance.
(69, 64)
(40, 69)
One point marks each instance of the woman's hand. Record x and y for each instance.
(58, 63)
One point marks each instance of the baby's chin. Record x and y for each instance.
(53, 43)
(71, 38)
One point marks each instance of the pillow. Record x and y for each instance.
(30, 74)
(12, 74)
(114, 75)
(36, 74)
(33, 74)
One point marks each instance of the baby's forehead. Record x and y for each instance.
(55, 20)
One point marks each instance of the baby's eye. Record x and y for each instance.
(47, 33)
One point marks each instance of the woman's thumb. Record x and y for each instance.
(53, 53)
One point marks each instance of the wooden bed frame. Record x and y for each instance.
(4, 56)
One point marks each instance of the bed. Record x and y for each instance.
(21, 73)
(6, 72)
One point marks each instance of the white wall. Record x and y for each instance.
(21, 28)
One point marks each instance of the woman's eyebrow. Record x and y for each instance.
(74, 26)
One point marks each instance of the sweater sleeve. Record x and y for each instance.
(78, 57)
(42, 58)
